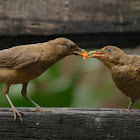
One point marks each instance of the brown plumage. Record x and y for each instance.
(21, 64)
(125, 70)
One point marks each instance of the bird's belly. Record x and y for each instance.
(18, 76)
(128, 83)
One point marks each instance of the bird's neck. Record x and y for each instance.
(51, 55)
(118, 61)
(124, 60)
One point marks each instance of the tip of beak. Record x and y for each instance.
(92, 52)
(95, 54)
(83, 50)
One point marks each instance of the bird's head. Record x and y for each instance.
(66, 47)
(109, 55)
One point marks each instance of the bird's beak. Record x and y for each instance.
(81, 52)
(96, 54)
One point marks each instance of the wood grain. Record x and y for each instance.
(47, 17)
(79, 124)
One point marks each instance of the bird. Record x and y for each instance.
(21, 64)
(125, 70)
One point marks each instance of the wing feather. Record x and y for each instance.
(18, 57)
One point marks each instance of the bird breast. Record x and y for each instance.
(127, 80)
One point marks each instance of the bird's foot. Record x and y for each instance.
(128, 110)
(18, 112)
(41, 110)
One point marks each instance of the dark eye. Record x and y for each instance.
(72, 47)
(108, 49)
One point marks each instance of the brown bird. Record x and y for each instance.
(22, 64)
(125, 70)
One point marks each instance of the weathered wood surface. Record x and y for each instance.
(68, 124)
(47, 17)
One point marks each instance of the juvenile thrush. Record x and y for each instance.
(125, 70)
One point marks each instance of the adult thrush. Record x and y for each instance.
(125, 70)
(22, 64)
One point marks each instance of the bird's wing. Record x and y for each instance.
(137, 68)
(23, 60)
(136, 63)
(16, 58)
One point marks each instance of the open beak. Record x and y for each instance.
(96, 54)
(81, 52)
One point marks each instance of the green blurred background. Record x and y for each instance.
(72, 82)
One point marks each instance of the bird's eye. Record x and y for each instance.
(108, 49)
(72, 47)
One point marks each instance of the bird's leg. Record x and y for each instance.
(13, 109)
(130, 105)
(24, 94)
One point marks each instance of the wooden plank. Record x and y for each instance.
(129, 14)
(48, 17)
(79, 124)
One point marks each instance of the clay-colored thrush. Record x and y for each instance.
(125, 70)
(22, 64)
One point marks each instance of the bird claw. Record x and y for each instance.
(18, 112)
(41, 110)
(128, 110)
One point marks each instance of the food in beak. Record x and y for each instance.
(83, 53)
